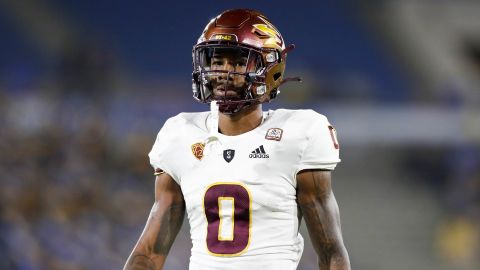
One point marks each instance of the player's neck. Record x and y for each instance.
(241, 122)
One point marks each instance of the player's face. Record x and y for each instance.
(228, 84)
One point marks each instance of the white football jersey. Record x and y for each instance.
(240, 191)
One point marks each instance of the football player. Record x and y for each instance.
(245, 177)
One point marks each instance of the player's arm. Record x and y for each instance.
(162, 226)
(320, 211)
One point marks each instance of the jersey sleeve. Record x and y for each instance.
(159, 155)
(321, 150)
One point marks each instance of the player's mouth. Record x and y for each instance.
(221, 92)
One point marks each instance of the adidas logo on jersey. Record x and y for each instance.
(259, 153)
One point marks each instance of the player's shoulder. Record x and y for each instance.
(299, 116)
(187, 120)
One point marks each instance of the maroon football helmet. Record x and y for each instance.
(239, 60)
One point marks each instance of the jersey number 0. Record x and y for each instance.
(228, 211)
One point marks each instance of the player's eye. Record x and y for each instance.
(242, 62)
(217, 62)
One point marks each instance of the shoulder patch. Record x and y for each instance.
(197, 150)
(274, 134)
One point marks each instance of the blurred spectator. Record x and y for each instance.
(66, 193)
(86, 67)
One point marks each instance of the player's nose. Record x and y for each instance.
(228, 66)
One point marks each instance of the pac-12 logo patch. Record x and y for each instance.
(197, 150)
(274, 134)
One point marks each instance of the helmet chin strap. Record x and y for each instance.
(233, 106)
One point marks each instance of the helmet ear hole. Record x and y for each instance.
(277, 75)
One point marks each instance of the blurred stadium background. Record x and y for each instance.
(85, 85)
